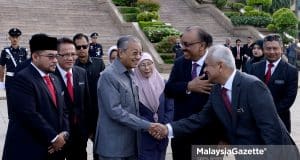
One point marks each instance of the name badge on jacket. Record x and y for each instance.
(279, 82)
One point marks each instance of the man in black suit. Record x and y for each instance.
(281, 78)
(93, 66)
(38, 127)
(238, 53)
(243, 105)
(190, 89)
(77, 98)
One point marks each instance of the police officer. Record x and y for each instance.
(95, 49)
(10, 58)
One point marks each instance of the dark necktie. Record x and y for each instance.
(194, 70)
(50, 88)
(226, 100)
(268, 74)
(70, 86)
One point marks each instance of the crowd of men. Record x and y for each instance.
(67, 96)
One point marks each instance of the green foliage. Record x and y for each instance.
(148, 5)
(236, 6)
(271, 27)
(248, 8)
(285, 20)
(230, 14)
(144, 24)
(277, 4)
(147, 16)
(220, 3)
(258, 21)
(123, 2)
(155, 34)
(166, 44)
(259, 2)
(129, 10)
(167, 57)
(130, 17)
(256, 13)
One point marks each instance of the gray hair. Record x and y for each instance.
(222, 54)
(124, 40)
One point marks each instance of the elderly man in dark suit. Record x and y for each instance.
(241, 102)
(280, 77)
(38, 127)
(77, 98)
(190, 89)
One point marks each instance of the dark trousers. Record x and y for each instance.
(181, 149)
(76, 147)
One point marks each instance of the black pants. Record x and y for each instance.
(76, 147)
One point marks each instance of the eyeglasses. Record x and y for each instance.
(50, 56)
(82, 46)
(272, 37)
(186, 44)
(68, 55)
(145, 65)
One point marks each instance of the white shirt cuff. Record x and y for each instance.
(170, 131)
(54, 139)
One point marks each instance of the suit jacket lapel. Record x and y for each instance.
(221, 109)
(76, 81)
(278, 71)
(235, 97)
(188, 69)
(42, 83)
(261, 71)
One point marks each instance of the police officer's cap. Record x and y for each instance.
(94, 35)
(39, 42)
(14, 32)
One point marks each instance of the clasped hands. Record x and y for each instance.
(58, 144)
(158, 131)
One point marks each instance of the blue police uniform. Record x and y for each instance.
(11, 58)
(95, 50)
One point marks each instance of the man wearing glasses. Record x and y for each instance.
(77, 98)
(93, 66)
(189, 87)
(280, 77)
(38, 127)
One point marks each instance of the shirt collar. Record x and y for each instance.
(274, 63)
(200, 62)
(62, 71)
(120, 67)
(40, 71)
(228, 84)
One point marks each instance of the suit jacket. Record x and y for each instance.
(283, 86)
(188, 104)
(35, 119)
(234, 52)
(250, 123)
(80, 109)
(165, 115)
(118, 121)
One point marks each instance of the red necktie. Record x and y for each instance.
(70, 86)
(268, 74)
(194, 70)
(226, 100)
(50, 88)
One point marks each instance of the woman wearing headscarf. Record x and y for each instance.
(153, 106)
(112, 53)
(258, 55)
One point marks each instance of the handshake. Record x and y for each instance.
(158, 131)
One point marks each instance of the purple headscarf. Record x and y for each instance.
(150, 89)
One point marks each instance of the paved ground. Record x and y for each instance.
(4, 120)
